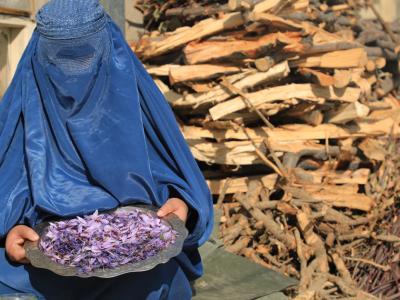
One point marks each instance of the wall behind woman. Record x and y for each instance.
(116, 9)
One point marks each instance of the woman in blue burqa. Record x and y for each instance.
(83, 127)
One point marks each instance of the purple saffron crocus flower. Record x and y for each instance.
(106, 241)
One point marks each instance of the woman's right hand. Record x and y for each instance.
(15, 243)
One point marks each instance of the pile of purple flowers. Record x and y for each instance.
(106, 240)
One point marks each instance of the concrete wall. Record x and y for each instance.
(134, 21)
(116, 9)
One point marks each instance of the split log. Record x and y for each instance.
(351, 112)
(240, 4)
(295, 133)
(196, 11)
(251, 80)
(268, 5)
(281, 23)
(342, 78)
(228, 153)
(345, 196)
(321, 78)
(241, 185)
(307, 112)
(265, 63)
(373, 149)
(199, 72)
(353, 58)
(198, 31)
(200, 87)
(301, 91)
(161, 70)
(169, 94)
(380, 62)
(200, 52)
(328, 46)
(359, 176)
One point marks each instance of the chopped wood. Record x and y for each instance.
(350, 112)
(301, 91)
(373, 149)
(342, 78)
(348, 198)
(300, 144)
(237, 4)
(200, 52)
(182, 37)
(328, 46)
(199, 72)
(380, 62)
(161, 70)
(279, 22)
(321, 78)
(169, 94)
(264, 64)
(359, 176)
(352, 58)
(219, 93)
(268, 5)
(240, 185)
(197, 11)
(298, 132)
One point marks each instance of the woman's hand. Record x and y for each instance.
(15, 243)
(175, 206)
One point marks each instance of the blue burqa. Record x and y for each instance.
(83, 127)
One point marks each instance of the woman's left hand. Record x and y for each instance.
(175, 206)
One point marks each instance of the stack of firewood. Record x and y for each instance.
(290, 108)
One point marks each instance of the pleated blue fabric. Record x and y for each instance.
(83, 127)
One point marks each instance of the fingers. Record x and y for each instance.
(16, 253)
(176, 206)
(15, 250)
(28, 234)
(15, 243)
(166, 209)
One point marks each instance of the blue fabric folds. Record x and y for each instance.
(83, 127)
(66, 19)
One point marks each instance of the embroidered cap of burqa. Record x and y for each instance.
(83, 127)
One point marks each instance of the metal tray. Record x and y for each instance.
(39, 260)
